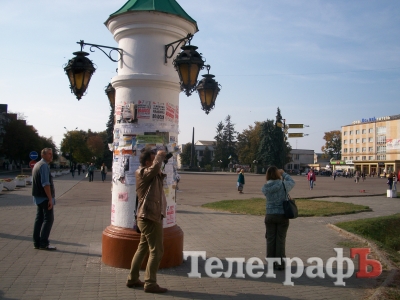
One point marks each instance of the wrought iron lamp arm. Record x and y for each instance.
(120, 51)
(186, 39)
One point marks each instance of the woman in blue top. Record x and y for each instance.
(240, 181)
(276, 223)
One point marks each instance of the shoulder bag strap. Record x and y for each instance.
(285, 190)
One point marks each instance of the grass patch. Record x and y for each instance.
(384, 231)
(307, 208)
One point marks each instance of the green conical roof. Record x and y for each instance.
(166, 6)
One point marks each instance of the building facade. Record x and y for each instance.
(372, 145)
(302, 159)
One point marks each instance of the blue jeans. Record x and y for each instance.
(311, 184)
(276, 228)
(43, 223)
(103, 176)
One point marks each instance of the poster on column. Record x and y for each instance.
(144, 110)
(170, 113)
(158, 111)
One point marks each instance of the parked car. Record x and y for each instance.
(339, 173)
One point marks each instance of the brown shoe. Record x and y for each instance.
(136, 284)
(155, 289)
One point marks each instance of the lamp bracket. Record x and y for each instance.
(120, 51)
(185, 40)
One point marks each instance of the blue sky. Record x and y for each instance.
(324, 63)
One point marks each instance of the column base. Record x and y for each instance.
(119, 245)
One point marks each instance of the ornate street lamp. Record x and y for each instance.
(79, 71)
(188, 65)
(208, 90)
(80, 68)
(110, 92)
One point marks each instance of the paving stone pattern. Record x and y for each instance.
(75, 270)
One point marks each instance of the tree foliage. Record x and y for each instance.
(225, 143)
(20, 139)
(248, 143)
(207, 159)
(333, 144)
(186, 155)
(82, 146)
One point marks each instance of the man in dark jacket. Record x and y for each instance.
(151, 210)
(44, 198)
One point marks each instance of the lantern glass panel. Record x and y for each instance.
(79, 76)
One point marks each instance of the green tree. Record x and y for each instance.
(220, 153)
(18, 149)
(186, 154)
(248, 143)
(333, 144)
(207, 159)
(266, 154)
(230, 139)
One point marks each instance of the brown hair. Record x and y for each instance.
(272, 173)
(145, 155)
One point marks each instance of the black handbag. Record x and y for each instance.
(289, 206)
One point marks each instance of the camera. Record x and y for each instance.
(167, 157)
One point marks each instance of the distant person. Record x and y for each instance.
(394, 181)
(357, 179)
(311, 178)
(390, 181)
(334, 175)
(178, 178)
(103, 171)
(363, 176)
(73, 170)
(276, 224)
(91, 169)
(44, 197)
(240, 181)
(79, 169)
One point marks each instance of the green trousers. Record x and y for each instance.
(151, 240)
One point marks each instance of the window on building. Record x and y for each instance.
(370, 130)
(364, 158)
(357, 141)
(351, 132)
(351, 141)
(381, 157)
(381, 130)
(364, 140)
(351, 150)
(371, 140)
(381, 139)
(370, 157)
(357, 131)
(351, 158)
(381, 149)
(344, 132)
(370, 149)
(364, 149)
(364, 131)
(345, 142)
(345, 157)
(357, 150)
(357, 158)
(296, 156)
(345, 150)
(201, 152)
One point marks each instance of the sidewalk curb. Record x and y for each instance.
(381, 257)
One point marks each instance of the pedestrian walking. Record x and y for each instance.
(150, 213)
(79, 167)
(91, 169)
(240, 181)
(73, 167)
(276, 224)
(311, 178)
(103, 171)
(363, 176)
(357, 179)
(334, 175)
(44, 197)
